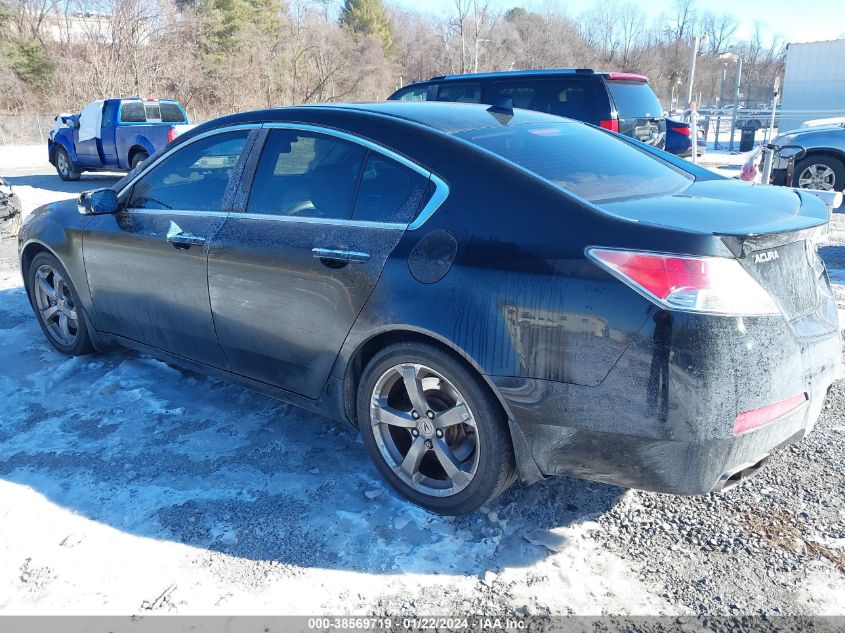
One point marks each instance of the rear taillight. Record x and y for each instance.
(610, 124)
(715, 285)
(681, 130)
(755, 418)
(171, 134)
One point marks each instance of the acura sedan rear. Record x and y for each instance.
(487, 295)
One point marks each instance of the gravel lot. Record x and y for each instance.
(128, 486)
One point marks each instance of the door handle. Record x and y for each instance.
(340, 255)
(185, 240)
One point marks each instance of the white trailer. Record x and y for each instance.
(814, 83)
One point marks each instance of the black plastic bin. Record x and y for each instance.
(746, 140)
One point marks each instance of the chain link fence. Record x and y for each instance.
(25, 129)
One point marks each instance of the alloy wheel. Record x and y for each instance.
(56, 308)
(424, 430)
(64, 167)
(818, 176)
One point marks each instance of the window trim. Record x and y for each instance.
(438, 197)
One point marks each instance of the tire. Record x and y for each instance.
(819, 169)
(71, 338)
(64, 166)
(137, 159)
(479, 443)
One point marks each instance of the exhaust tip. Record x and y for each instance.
(736, 476)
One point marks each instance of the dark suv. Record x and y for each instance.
(622, 102)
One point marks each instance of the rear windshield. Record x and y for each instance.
(590, 163)
(151, 112)
(634, 99)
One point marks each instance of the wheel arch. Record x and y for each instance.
(370, 346)
(133, 151)
(28, 253)
(527, 469)
(825, 150)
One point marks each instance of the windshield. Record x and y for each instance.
(593, 164)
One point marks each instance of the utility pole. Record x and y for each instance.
(475, 62)
(736, 100)
(695, 44)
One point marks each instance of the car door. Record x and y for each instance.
(107, 148)
(147, 264)
(289, 275)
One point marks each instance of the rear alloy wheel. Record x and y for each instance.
(138, 158)
(433, 430)
(57, 306)
(822, 172)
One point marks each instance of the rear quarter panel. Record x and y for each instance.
(520, 298)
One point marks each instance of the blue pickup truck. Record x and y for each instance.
(113, 135)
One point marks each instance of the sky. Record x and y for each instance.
(795, 20)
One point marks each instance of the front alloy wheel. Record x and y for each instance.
(434, 430)
(57, 306)
(817, 177)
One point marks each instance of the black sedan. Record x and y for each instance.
(488, 295)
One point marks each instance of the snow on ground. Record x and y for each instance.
(129, 487)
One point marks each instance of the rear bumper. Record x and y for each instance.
(663, 418)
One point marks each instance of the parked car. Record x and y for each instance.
(755, 118)
(621, 102)
(10, 210)
(679, 140)
(822, 166)
(113, 135)
(485, 296)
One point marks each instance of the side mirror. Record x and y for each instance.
(97, 202)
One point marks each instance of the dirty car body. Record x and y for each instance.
(656, 326)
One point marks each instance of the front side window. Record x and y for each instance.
(575, 98)
(194, 177)
(468, 92)
(593, 164)
(389, 192)
(132, 112)
(304, 174)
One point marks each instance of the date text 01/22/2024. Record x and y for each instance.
(415, 623)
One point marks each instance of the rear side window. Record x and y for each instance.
(302, 174)
(575, 98)
(389, 192)
(412, 93)
(171, 113)
(634, 99)
(590, 163)
(464, 92)
(132, 112)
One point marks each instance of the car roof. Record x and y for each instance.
(444, 117)
(517, 73)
